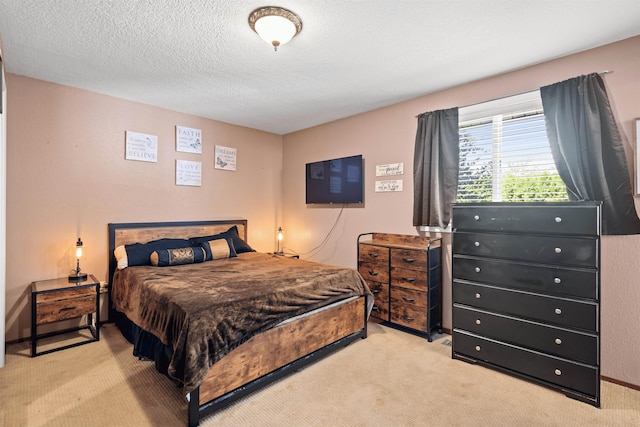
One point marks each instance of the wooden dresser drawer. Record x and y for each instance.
(53, 310)
(561, 281)
(374, 272)
(411, 279)
(373, 254)
(408, 259)
(548, 218)
(562, 342)
(380, 293)
(557, 311)
(573, 251)
(554, 370)
(409, 308)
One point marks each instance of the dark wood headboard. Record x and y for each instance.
(143, 232)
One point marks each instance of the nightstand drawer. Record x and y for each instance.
(565, 373)
(69, 308)
(60, 299)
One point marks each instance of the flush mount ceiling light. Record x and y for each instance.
(275, 25)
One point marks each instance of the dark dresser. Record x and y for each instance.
(526, 292)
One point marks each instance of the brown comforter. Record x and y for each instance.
(203, 311)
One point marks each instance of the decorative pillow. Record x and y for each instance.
(177, 256)
(218, 249)
(232, 233)
(139, 253)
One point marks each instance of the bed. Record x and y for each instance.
(220, 319)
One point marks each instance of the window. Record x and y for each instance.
(505, 154)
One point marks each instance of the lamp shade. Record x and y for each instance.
(275, 25)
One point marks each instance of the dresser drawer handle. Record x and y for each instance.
(407, 318)
(558, 250)
(558, 311)
(476, 217)
(478, 296)
(375, 255)
(558, 219)
(373, 273)
(477, 269)
(478, 322)
(408, 299)
(409, 279)
(375, 291)
(477, 348)
(558, 372)
(557, 280)
(476, 244)
(375, 308)
(67, 308)
(558, 341)
(408, 259)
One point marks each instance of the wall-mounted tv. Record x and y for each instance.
(335, 181)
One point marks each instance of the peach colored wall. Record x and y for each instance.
(387, 135)
(67, 177)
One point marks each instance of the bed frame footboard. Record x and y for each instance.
(317, 336)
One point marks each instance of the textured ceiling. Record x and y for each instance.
(201, 57)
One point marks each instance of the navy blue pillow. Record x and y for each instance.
(218, 248)
(177, 256)
(232, 233)
(139, 253)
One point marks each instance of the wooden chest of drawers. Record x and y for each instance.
(526, 286)
(404, 274)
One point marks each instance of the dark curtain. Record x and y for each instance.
(435, 167)
(588, 151)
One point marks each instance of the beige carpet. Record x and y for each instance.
(389, 379)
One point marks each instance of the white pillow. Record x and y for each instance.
(121, 257)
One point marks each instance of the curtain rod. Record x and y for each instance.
(515, 94)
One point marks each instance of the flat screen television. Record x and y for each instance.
(335, 181)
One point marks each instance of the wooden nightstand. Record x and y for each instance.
(59, 299)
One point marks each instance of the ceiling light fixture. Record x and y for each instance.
(275, 25)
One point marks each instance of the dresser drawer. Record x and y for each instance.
(574, 251)
(374, 272)
(579, 346)
(558, 311)
(373, 254)
(53, 310)
(564, 373)
(408, 259)
(545, 218)
(554, 280)
(380, 293)
(409, 308)
(412, 279)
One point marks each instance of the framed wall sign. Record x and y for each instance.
(225, 158)
(388, 185)
(188, 140)
(188, 173)
(141, 147)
